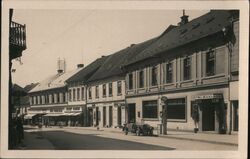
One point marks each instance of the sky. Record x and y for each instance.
(81, 36)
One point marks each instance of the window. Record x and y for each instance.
(154, 74)
(187, 68)
(130, 81)
(63, 97)
(70, 95)
(90, 93)
(74, 94)
(96, 91)
(141, 79)
(149, 109)
(210, 63)
(176, 109)
(52, 98)
(119, 87)
(58, 97)
(169, 73)
(78, 93)
(104, 90)
(76, 108)
(110, 89)
(82, 93)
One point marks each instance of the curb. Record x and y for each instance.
(200, 140)
(163, 136)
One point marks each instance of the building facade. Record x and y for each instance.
(195, 74)
(49, 102)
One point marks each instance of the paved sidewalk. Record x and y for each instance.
(208, 137)
(35, 142)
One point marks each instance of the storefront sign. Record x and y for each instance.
(210, 96)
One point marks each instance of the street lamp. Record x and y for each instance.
(164, 114)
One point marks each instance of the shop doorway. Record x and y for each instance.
(235, 115)
(208, 117)
(104, 116)
(97, 116)
(119, 116)
(90, 117)
(110, 116)
(131, 113)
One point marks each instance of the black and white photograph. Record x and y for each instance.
(132, 79)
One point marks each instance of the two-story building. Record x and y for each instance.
(193, 65)
(106, 88)
(77, 91)
(49, 101)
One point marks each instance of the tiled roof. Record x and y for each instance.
(85, 73)
(54, 81)
(113, 64)
(29, 87)
(208, 24)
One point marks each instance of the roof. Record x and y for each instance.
(18, 90)
(86, 72)
(203, 26)
(113, 64)
(54, 81)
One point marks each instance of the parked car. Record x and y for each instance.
(138, 129)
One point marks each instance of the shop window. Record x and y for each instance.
(210, 63)
(110, 89)
(119, 87)
(176, 109)
(90, 93)
(141, 79)
(169, 73)
(187, 68)
(130, 81)
(96, 91)
(78, 93)
(154, 75)
(104, 90)
(82, 93)
(149, 109)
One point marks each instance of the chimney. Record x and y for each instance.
(184, 18)
(61, 66)
(80, 65)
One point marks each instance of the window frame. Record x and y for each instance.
(130, 81)
(187, 68)
(90, 92)
(97, 91)
(141, 79)
(119, 88)
(154, 76)
(185, 103)
(110, 85)
(209, 61)
(104, 90)
(143, 111)
(169, 72)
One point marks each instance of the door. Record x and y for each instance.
(119, 116)
(104, 116)
(235, 115)
(131, 113)
(110, 116)
(208, 117)
(90, 117)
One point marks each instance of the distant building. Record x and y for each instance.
(77, 88)
(195, 65)
(49, 100)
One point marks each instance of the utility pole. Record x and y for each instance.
(164, 114)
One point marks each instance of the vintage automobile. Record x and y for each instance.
(138, 129)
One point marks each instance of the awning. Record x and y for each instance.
(53, 115)
(29, 116)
